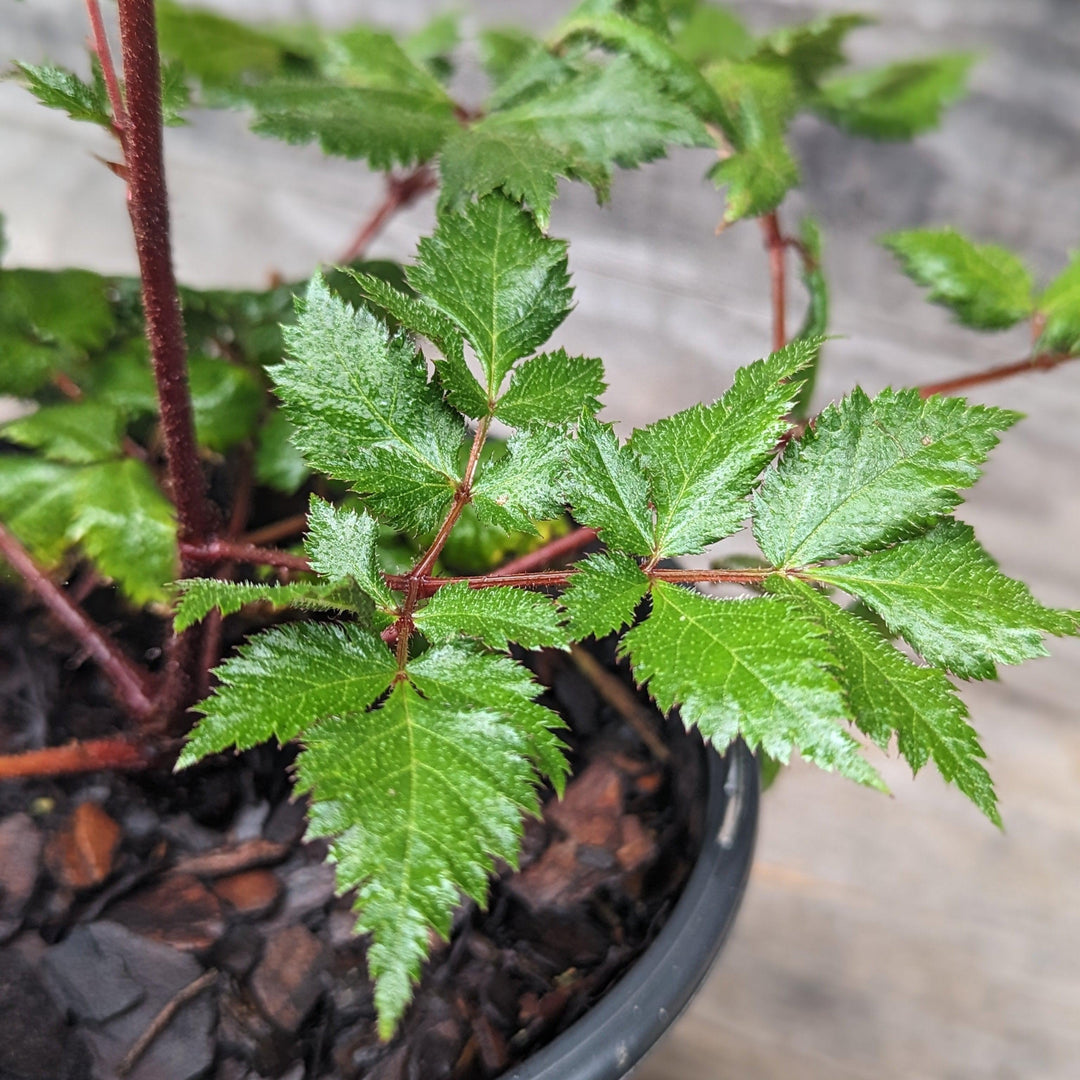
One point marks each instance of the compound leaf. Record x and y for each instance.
(614, 114)
(985, 286)
(127, 527)
(285, 679)
(197, 597)
(552, 388)
(603, 595)
(462, 676)
(78, 432)
(496, 616)
(1059, 306)
(383, 127)
(364, 412)
(898, 101)
(58, 88)
(342, 545)
(37, 503)
(811, 49)
(872, 471)
(419, 800)
(945, 595)
(703, 463)
(608, 490)
(493, 272)
(525, 484)
(623, 35)
(458, 382)
(888, 693)
(758, 668)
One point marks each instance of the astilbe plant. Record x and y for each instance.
(422, 743)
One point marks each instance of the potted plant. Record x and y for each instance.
(180, 434)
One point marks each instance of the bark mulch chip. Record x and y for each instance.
(183, 920)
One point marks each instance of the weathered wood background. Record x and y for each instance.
(885, 938)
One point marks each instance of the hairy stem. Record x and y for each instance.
(553, 551)
(776, 245)
(149, 211)
(401, 191)
(462, 497)
(100, 41)
(1039, 362)
(128, 681)
(277, 530)
(77, 757)
(215, 552)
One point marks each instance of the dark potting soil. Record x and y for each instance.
(186, 914)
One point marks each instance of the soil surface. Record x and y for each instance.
(166, 927)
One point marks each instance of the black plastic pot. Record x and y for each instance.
(612, 1038)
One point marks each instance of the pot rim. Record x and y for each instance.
(615, 1035)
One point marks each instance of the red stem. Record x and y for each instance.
(219, 551)
(775, 244)
(79, 757)
(1040, 362)
(553, 551)
(401, 191)
(277, 530)
(149, 211)
(100, 41)
(130, 684)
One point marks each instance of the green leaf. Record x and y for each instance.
(757, 179)
(492, 272)
(888, 693)
(603, 595)
(713, 33)
(372, 59)
(199, 596)
(58, 88)
(342, 544)
(871, 472)
(757, 668)
(364, 411)
(37, 503)
(458, 382)
(79, 432)
(622, 35)
(816, 324)
(175, 95)
(479, 160)
(504, 48)
(703, 463)
(227, 400)
(127, 527)
(985, 286)
(812, 49)
(608, 490)
(758, 102)
(283, 680)
(945, 595)
(420, 801)
(617, 114)
(496, 616)
(221, 52)
(552, 388)
(433, 44)
(383, 127)
(898, 101)
(463, 677)
(67, 308)
(278, 464)
(525, 484)
(1060, 307)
